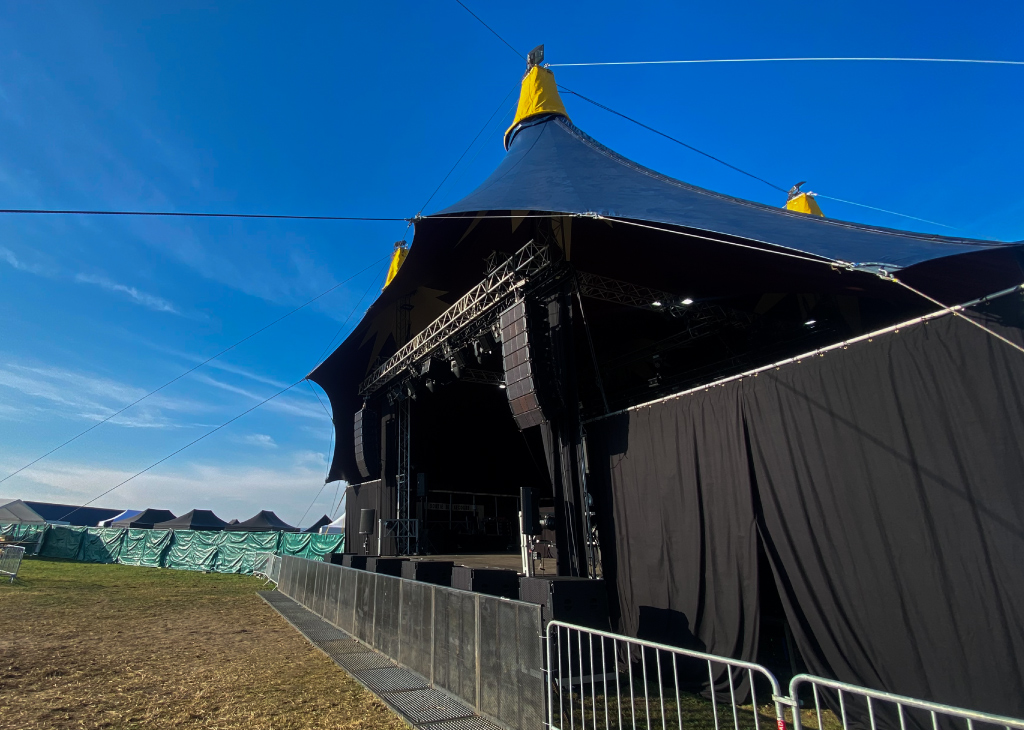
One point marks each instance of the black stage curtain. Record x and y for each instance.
(886, 484)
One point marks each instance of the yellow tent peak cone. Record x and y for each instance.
(804, 203)
(537, 95)
(801, 202)
(397, 259)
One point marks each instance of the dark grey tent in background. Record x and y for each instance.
(146, 520)
(263, 521)
(233, 521)
(197, 519)
(315, 527)
(17, 512)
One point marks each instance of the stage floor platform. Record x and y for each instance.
(407, 693)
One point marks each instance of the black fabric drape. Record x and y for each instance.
(886, 481)
(682, 559)
(892, 485)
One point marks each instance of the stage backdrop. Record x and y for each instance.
(886, 484)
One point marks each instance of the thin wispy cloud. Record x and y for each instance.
(258, 439)
(158, 304)
(282, 404)
(11, 259)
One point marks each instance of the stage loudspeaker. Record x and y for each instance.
(366, 443)
(367, 518)
(421, 485)
(520, 370)
(531, 511)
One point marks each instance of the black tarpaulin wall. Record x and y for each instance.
(886, 482)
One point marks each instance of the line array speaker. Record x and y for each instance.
(520, 373)
(366, 443)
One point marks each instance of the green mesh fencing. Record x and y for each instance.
(101, 545)
(24, 533)
(62, 542)
(311, 546)
(220, 552)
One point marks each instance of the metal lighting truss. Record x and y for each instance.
(498, 287)
(405, 542)
(630, 295)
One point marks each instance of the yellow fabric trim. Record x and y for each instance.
(804, 203)
(537, 95)
(397, 259)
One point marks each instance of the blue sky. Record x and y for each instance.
(361, 109)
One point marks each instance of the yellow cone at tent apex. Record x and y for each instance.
(537, 95)
(397, 259)
(804, 203)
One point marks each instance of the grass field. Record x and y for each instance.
(111, 646)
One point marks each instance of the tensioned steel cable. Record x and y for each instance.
(518, 54)
(787, 60)
(468, 148)
(673, 139)
(190, 370)
(171, 214)
(178, 451)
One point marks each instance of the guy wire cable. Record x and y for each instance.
(178, 451)
(32, 211)
(187, 372)
(787, 60)
(212, 431)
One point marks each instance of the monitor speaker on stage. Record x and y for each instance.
(366, 443)
(367, 518)
(531, 511)
(519, 360)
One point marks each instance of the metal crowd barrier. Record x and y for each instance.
(10, 560)
(483, 649)
(599, 678)
(267, 566)
(858, 706)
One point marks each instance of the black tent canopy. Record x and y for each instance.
(197, 519)
(315, 527)
(147, 520)
(769, 419)
(262, 521)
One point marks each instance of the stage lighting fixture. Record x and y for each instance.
(810, 322)
(430, 384)
(410, 390)
(655, 304)
(686, 302)
(458, 364)
(502, 386)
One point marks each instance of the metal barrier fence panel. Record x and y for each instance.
(300, 582)
(347, 600)
(416, 636)
(510, 659)
(320, 599)
(596, 677)
(365, 595)
(387, 614)
(455, 644)
(10, 561)
(830, 703)
(331, 602)
(274, 569)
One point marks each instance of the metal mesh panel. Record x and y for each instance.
(415, 634)
(387, 614)
(300, 582)
(391, 679)
(284, 584)
(365, 584)
(455, 643)
(347, 598)
(331, 600)
(316, 603)
(511, 682)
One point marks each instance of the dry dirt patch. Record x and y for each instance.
(111, 646)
